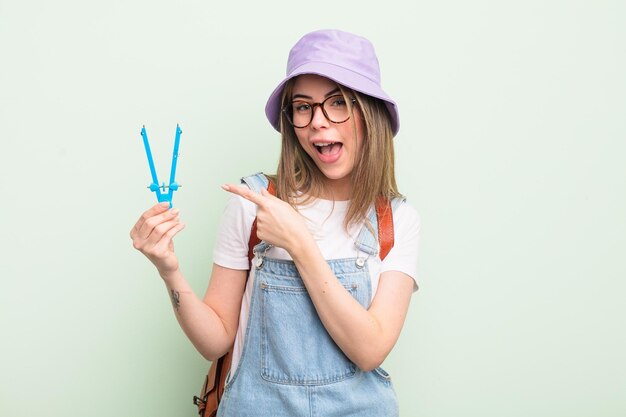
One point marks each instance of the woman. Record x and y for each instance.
(320, 310)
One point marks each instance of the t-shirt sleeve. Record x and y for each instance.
(403, 256)
(231, 246)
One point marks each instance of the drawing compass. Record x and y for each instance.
(160, 190)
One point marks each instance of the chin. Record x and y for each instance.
(334, 175)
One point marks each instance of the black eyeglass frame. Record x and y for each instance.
(289, 105)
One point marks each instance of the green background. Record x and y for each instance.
(512, 149)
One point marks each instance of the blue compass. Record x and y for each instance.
(173, 186)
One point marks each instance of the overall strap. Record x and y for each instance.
(257, 182)
(380, 238)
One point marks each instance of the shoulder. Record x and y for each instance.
(240, 207)
(403, 256)
(406, 228)
(231, 245)
(406, 216)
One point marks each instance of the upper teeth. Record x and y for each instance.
(324, 144)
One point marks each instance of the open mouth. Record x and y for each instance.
(331, 148)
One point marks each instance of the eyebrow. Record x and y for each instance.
(330, 93)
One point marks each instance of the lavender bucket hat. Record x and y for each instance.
(345, 58)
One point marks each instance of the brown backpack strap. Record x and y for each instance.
(384, 214)
(213, 387)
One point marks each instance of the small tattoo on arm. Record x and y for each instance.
(175, 296)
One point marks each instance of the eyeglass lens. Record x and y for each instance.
(300, 113)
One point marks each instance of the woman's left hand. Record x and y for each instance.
(278, 223)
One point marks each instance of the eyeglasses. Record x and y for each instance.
(335, 108)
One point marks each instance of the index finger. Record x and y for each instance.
(244, 192)
(152, 211)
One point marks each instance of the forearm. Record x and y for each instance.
(357, 331)
(202, 325)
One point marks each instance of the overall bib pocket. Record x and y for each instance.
(296, 349)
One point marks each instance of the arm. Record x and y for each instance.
(211, 323)
(366, 336)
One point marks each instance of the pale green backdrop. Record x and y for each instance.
(512, 148)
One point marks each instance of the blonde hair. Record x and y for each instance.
(373, 174)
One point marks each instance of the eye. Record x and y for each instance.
(337, 101)
(301, 106)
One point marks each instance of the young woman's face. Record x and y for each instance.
(332, 146)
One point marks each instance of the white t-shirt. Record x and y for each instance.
(324, 219)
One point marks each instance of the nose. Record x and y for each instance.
(319, 119)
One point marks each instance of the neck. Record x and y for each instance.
(337, 190)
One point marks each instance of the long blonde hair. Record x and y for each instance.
(373, 174)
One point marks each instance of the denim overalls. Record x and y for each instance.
(289, 364)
